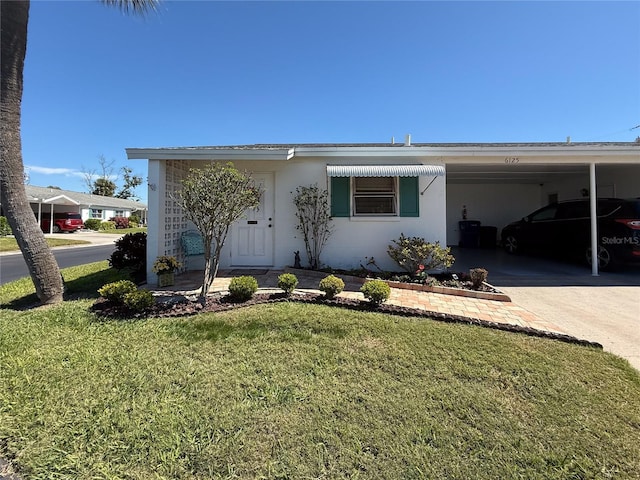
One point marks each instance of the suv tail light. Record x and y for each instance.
(631, 223)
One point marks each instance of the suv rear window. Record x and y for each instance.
(619, 208)
(573, 210)
(630, 209)
(71, 216)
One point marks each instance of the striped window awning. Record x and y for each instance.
(385, 170)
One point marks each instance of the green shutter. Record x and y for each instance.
(340, 197)
(409, 204)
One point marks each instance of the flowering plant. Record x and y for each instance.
(165, 264)
(421, 275)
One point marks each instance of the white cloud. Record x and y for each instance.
(67, 172)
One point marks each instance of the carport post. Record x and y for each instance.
(594, 219)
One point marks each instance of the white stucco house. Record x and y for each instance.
(379, 191)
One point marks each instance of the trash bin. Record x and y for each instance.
(488, 237)
(469, 233)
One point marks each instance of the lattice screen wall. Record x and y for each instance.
(174, 221)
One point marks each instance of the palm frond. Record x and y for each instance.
(140, 7)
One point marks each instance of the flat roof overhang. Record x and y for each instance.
(210, 153)
(449, 153)
(465, 163)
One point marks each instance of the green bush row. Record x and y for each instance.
(376, 291)
(241, 289)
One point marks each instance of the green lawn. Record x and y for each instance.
(304, 391)
(8, 244)
(123, 231)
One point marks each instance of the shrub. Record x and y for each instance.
(133, 224)
(116, 291)
(107, 225)
(478, 277)
(92, 224)
(5, 229)
(134, 218)
(287, 282)
(242, 288)
(376, 291)
(120, 222)
(131, 254)
(331, 286)
(139, 301)
(415, 254)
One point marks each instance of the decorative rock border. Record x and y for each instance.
(460, 292)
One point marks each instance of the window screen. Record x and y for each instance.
(374, 196)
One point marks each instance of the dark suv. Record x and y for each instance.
(62, 222)
(565, 227)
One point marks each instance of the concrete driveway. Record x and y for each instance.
(604, 309)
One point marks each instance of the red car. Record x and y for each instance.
(62, 222)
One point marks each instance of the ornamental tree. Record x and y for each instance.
(314, 220)
(213, 198)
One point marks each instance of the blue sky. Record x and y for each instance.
(224, 73)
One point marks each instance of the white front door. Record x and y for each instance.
(252, 235)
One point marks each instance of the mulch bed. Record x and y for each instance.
(182, 307)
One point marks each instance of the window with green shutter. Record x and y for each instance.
(409, 199)
(340, 197)
(375, 196)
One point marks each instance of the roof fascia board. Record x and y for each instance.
(470, 151)
(380, 152)
(540, 152)
(209, 154)
(569, 153)
(59, 197)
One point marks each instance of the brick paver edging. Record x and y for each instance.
(442, 317)
(460, 292)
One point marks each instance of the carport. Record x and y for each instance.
(500, 183)
(52, 202)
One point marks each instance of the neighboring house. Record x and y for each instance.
(46, 201)
(379, 191)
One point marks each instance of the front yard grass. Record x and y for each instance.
(8, 244)
(293, 390)
(123, 231)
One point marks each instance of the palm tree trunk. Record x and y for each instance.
(42, 265)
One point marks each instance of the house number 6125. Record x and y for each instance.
(511, 160)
